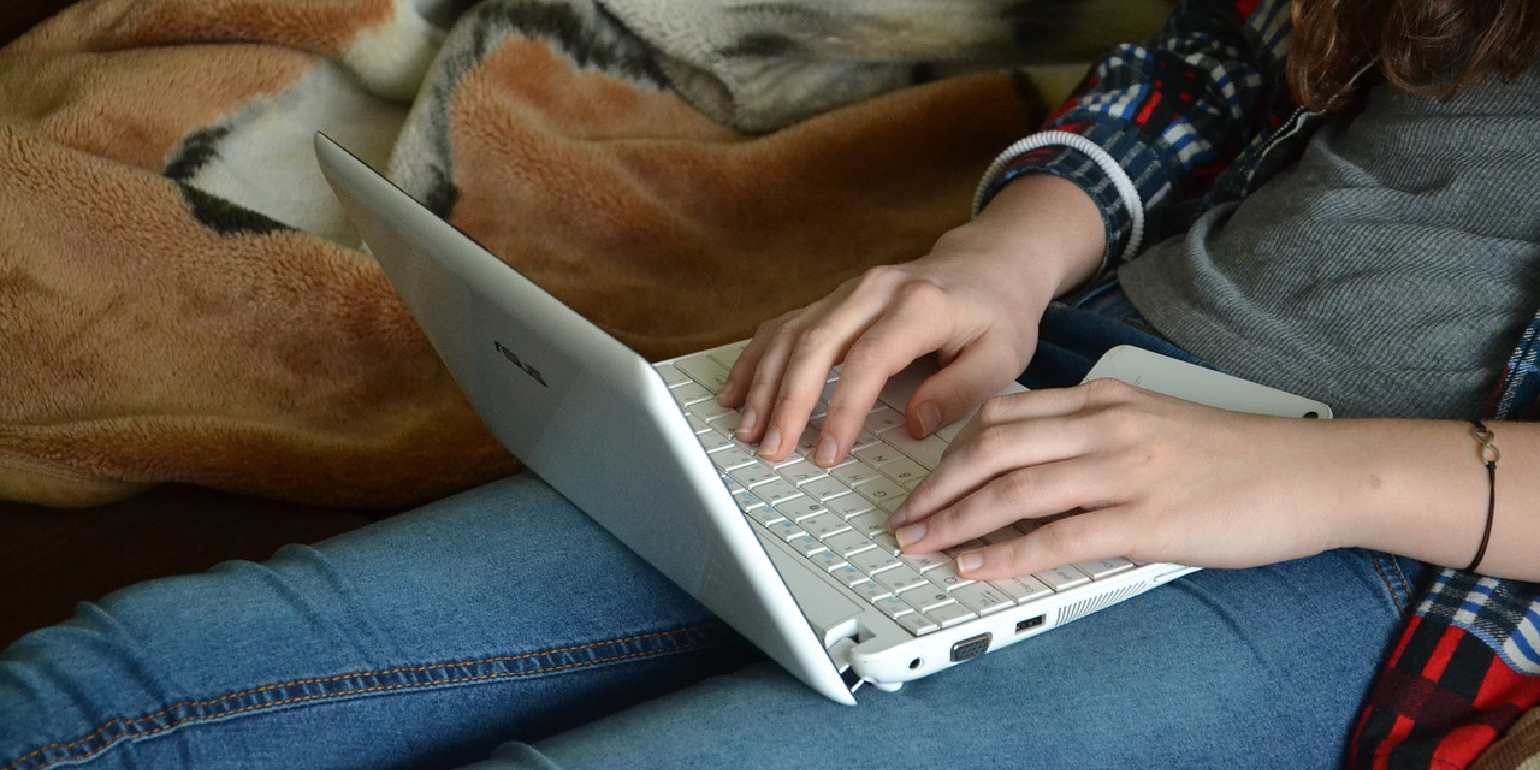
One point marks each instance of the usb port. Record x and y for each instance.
(1030, 623)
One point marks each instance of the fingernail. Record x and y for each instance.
(930, 418)
(913, 533)
(827, 448)
(750, 419)
(771, 442)
(969, 562)
(899, 518)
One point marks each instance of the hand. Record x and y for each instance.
(1153, 478)
(975, 300)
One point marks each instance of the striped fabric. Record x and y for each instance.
(1201, 115)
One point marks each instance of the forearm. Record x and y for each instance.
(1045, 231)
(1419, 488)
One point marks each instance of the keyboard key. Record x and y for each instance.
(925, 451)
(946, 577)
(702, 369)
(805, 545)
(948, 615)
(671, 375)
(698, 425)
(727, 423)
(775, 491)
(898, 578)
(802, 507)
(874, 561)
(983, 598)
(754, 474)
(827, 560)
(869, 590)
(917, 624)
(823, 525)
(927, 598)
(765, 515)
(892, 606)
(801, 472)
(785, 529)
(690, 393)
(731, 457)
(877, 454)
(925, 562)
(849, 505)
(727, 355)
(1104, 567)
(708, 409)
(1063, 578)
(906, 472)
(868, 522)
(848, 574)
(884, 418)
(880, 490)
(848, 542)
(1023, 589)
(855, 473)
(826, 488)
(886, 541)
(712, 441)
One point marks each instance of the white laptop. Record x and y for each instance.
(794, 558)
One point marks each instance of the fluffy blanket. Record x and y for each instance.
(182, 300)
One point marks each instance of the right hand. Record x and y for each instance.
(975, 300)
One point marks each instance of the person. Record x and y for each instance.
(1373, 249)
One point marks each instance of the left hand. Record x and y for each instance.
(1153, 478)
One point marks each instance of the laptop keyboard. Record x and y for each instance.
(837, 518)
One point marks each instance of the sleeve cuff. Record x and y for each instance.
(1081, 161)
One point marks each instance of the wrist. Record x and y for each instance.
(1413, 487)
(1048, 231)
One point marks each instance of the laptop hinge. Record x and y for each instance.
(840, 654)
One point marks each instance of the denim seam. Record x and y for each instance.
(1384, 578)
(1406, 586)
(127, 724)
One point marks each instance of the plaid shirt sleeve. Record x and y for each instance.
(1152, 124)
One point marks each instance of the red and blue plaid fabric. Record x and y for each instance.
(1201, 115)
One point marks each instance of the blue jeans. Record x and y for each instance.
(501, 628)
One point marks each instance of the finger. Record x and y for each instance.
(995, 450)
(764, 380)
(735, 390)
(1088, 536)
(1024, 493)
(812, 352)
(914, 326)
(1047, 402)
(977, 372)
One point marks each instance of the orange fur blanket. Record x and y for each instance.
(181, 300)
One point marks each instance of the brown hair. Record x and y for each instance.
(1428, 47)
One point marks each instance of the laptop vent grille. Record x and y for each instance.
(1079, 610)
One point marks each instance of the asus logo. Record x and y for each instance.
(533, 373)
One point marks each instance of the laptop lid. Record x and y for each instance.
(581, 410)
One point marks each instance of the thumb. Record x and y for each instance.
(950, 394)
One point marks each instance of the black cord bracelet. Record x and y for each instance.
(1490, 456)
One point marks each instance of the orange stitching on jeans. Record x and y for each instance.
(377, 688)
(1395, 597)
